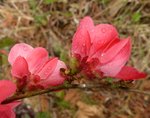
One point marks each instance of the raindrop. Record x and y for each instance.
(103, 30)
(49, 68)
(25, 48)
(83, 44)
(92, 30)
(46, 73)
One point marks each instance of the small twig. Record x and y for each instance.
(34, 93)
(137, 91)
(71, 86)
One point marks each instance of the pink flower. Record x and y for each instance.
(99, 49)
(7, 88)
(32, 66)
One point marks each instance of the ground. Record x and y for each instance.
(51, 24)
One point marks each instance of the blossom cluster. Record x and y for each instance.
(98, 50)
(33, 68)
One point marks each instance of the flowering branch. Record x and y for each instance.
(39, 92)
(70, 86)
(97, 52)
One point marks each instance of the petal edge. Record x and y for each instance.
(130, 73)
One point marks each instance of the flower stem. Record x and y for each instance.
(62, 87)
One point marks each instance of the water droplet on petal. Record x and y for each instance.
(25, 48)
(92, 30)
(46, 73)
(103, 30)
(83, 44)
(75, 51)
(48, 67)
(102, 55)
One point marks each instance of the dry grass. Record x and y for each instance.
(52, 26)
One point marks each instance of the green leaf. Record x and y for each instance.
(63, 56)
(109, 80)
(60, 94)
(57, 47)
(73, 65)
(60, 102)
(88, 99)
(3, 59)
(6, 42)
(105, 2)
(49, 1)
(67, 14)
(63, 104)
(43, 115)
(33, 4)
(41, 19)
(136, 17)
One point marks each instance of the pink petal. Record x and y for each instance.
(20, 49)
(55, 78)
(12, 105)
(7, 88)
(130, 73)
(81, 39)
(87, 23)
(20, 68)
(98, 54)
(36, 59)
(6, 110)
(104, 34)
(115, 65)
(115, 50)
(48, 68)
